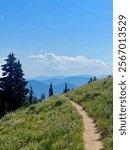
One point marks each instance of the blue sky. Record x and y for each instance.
(49, 36)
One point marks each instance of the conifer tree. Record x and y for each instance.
(94, 78)
(2, 104)
(65, 89)
(90, 80)
(51, 90)
(12, 84)
(31, 95)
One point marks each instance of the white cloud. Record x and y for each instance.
(52, 64)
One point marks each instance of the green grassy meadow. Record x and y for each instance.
(55, 124)
(49, 125)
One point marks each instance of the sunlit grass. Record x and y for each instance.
(97, 100)
(49, 125)
(55, 124)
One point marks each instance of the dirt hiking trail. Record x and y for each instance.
(90, 135)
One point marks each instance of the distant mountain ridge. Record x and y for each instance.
(39, 88)
(41, 84)
(78, 81)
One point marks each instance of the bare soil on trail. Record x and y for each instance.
(91, 135)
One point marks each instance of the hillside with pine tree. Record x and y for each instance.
(52, 124)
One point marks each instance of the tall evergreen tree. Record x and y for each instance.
(90, 80)
(94, 78)
(65, 89)
(12, 84)
(51, 90)
(31, 95)
(2, 104)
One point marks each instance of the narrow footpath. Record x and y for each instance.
(91, 135)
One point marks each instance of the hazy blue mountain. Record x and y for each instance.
(41, 84)
(59, 88)
(44, 78)
(75, 80)
(55, 81)
(39, 78)
(39, 87)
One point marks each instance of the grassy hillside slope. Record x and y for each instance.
(96, 99)
(55, 124)
(49, 125)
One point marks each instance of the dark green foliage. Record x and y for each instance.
(109, 76)
(92, 79)
(12, 85)
(51, 90)
(66, 89)
(31, 96)
(58, 103)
